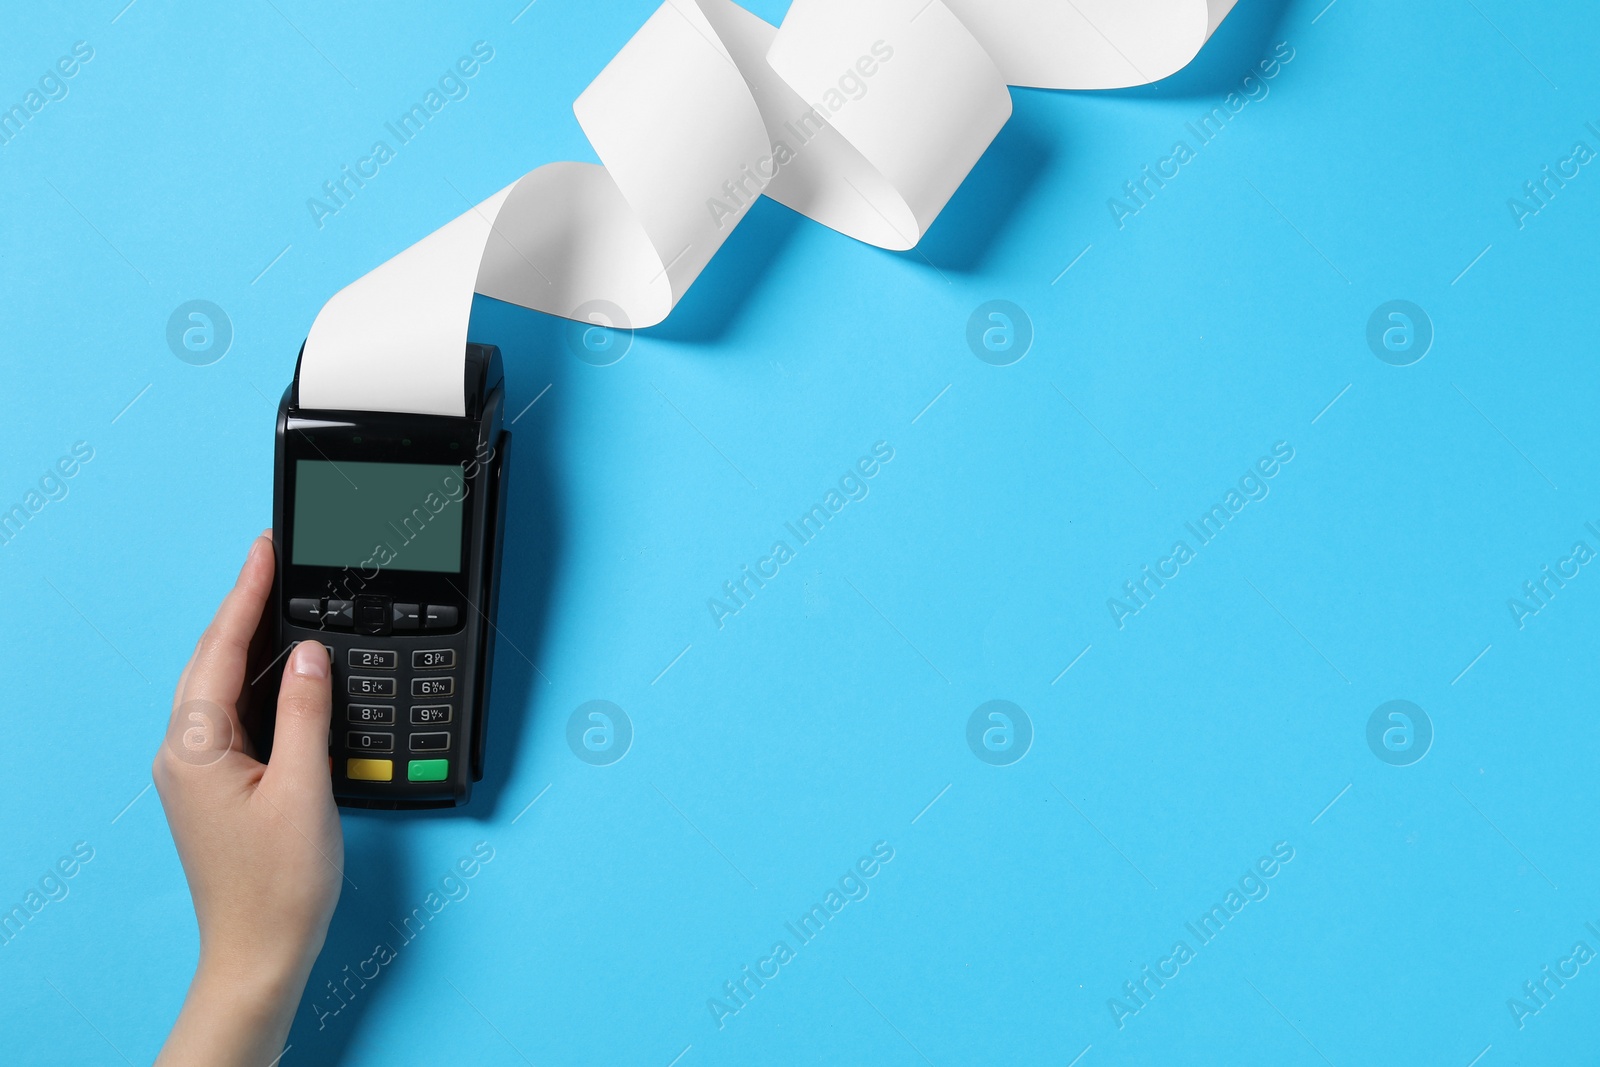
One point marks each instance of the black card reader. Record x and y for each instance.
(388, 530)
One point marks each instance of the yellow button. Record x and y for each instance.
(370, 770)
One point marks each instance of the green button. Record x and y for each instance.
(428, 770)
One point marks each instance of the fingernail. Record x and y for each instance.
(259, 545)
(309, 660)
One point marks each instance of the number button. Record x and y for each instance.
(371, 714)
(372, 687)
(374, 659)
(432, 687)
(361, 741)
(433, 659)
(429, 715)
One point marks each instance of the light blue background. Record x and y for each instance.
(1224, 718)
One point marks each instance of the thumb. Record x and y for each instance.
(305, 708)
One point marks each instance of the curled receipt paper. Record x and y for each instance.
(864, 115)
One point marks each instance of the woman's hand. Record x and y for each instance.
(260, 843)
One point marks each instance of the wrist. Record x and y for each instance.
(236, 1011)
(267, 981)
(262, 994)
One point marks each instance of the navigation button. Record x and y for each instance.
(441, 617)
(340, 613)
(372, 614)
(407, 616)
(305, 610)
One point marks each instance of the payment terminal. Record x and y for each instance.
(388, 528)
